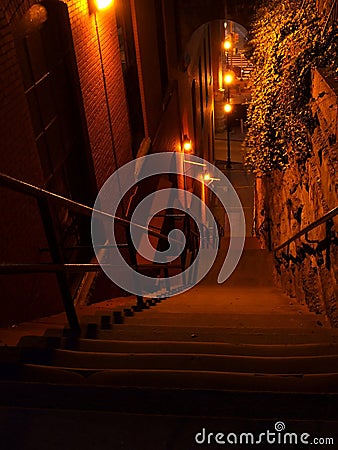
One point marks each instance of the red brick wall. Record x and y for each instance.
(25, 297)
(22, 235)
(86, 39)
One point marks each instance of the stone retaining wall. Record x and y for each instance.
(286, 202)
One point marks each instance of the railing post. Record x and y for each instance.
(140, 303)
(186, 231)
(57, 258)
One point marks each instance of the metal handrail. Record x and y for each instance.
(328, 216)
(58, 266)
(13, 269)
(34, 191)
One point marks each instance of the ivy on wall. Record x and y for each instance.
(287, 41)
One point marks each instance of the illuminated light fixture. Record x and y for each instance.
(227, 107)
(209, 179)
(33, 19)
(227, 45)
(187, 145)
(102, 4)
(229, 78)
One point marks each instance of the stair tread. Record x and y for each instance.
(190, 361)
(220, 334)
(186, 379)
(201, 347)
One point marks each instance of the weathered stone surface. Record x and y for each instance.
(296, 198)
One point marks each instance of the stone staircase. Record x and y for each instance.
(240, 356)
(231, 358)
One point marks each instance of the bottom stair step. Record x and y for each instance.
(52, 429)
(191, 402)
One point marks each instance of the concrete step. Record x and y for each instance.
(219, 334)
(211, 348)
(180, 379)
(307, 374)
(196, 362)
(254, 269)
(226, 320)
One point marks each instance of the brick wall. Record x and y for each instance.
(26, 297)
(21, 232)
(87, 34)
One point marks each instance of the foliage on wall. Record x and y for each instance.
(288, 40)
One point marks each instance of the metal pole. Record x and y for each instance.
(57, 258)
(228, 164)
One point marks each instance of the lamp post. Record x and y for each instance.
(228, 109)
(227, 47)
(228, 80)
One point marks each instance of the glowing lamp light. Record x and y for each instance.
(229, 78)
(208, 179)
(187, 145)
(227, 45)
(103, 4)
(227, 107)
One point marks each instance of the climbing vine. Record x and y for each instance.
(287, 41)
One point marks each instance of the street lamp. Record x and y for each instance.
(99, 5)
(228, 109)
(227, 45)
(207, 178)
(103, 4)
(187, 145)
(229, 78)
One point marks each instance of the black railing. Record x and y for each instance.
(58, 265)
(307, 248)
(305, 231)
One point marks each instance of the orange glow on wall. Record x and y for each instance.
(103, 4)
